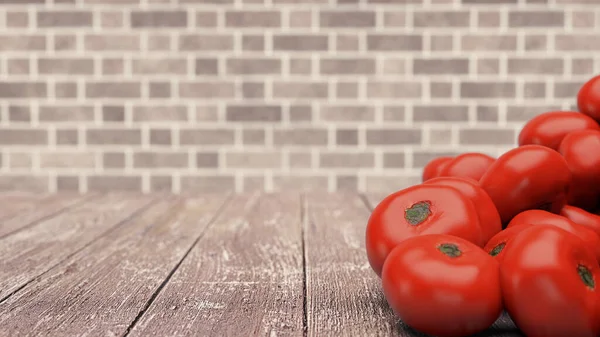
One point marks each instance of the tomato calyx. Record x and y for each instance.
(449, 249)
(586, 276)
(418, 212)
(498, 249)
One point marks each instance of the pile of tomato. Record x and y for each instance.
(519, 233)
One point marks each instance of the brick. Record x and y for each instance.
(535, 66)
(24, 183)
(159, 41)
(254, 160)
(207, 159)
(112, 66)
(253, 42)
(583, 19)
(111, 2)
(113, 160)
(446, 113)
(65, 90)
(206, 113)
(213, 136)
(206, 19)
(488, 66)
(445, 19)
(486, 136)
(396, 136)
(163, 66)
(113, 113)
(341, 113)
(17, 19)
(253, 19)
(107, 183)
(159, 89)
(441, 43)
(346, 90)
(206, 66)
(18, 136)
(440, 89)
(253, 66)
(299, 90)
(64, 42)
(487, 90)
(67, 160)
(160, 137)
(67, 183)
(534, 90)
(161, 183)
(198, 184)
(300, 136)
(67, 137)
(394, 2)
(65, 66)
(300, 113)
(353, 66)
(347, 42)
(253, 136)
(18, 67)
(393, 160)
(440, 66)
(346, 160)
(19, 113)
(213, 90)
(346, 137)
(394, 89)
(566, 89)
(109, 136)
(488, 19)
(298, 159)
(111, 19)
(396, 42)
(486, 113)
(205, 42)
(158, 19)
(253, 113)
(113, 90)
(300, 19)
(16, 160)
(348, 19)
(394, 113)
(536, 18)
(394, 66)
(22, 2)
(489, 2)
(314, 182)
(112, 42)
(253, 90)
(536, 42)
(300, 42)
(523, 113)
(420, 159)
(149, 159)
(577, 42)
(582, 66)
(53, 19)
(22, 90)
(393, 18)
(66, 113)
(206, 2)
(440, 136)
(389, 184)
(300, 66)
(346, 183)
(160, 113)
(488, 43)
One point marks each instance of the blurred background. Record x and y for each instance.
(239, 95)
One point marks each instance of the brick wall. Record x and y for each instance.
(193, 95)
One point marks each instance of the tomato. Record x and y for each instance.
(496, 246)
(442, 285)
(527, 177)
(417, 210)
(549, 129)
(468, 165)
(550, 284)
(489, 219)
(582, 217)
(539, 217)
(581, 150)
(588, 98)
(434, 167)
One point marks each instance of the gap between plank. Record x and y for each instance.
(175, 268)
(130, 217)
(303, 221)
(49, 216)
(366, 201)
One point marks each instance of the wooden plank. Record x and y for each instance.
(373, 199)
(13, 203)
(33, 251)
(101, 290)
(244, 277)
(503, 327)
(37, 211)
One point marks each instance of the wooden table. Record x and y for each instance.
(212, 265)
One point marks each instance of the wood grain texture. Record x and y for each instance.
(33, 251)
(102, 289)
(13, 203)
(243, 278)
(38, 210)
(344, 296)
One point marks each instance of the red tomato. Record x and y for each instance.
(582, 217)
(496, 246)
(420, 209)
(581, 150)
(549, 129)
(442, 285)
(489, 219)
(539, 217)
(550, 284)
(588, 98)
(468, 165)
(528, 177)
(434, 167)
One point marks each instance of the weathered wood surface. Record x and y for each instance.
(245, 265)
